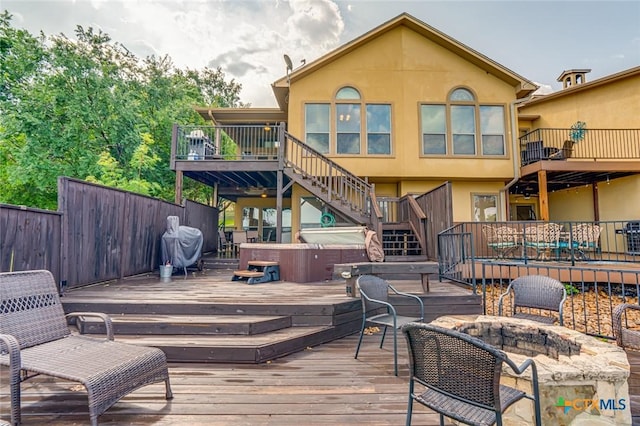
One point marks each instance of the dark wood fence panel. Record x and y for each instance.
(29, 239)
(145, 222)
(98, 234)
(205, 218)
(109, 233)
(437, 205)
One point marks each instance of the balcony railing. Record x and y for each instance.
(593, 144)
(229, 142)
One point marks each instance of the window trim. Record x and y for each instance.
(449, 142)
(475, 196)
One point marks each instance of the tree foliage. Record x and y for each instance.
(90, 109)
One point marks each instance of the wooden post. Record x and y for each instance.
(178, 190)
(543, 196)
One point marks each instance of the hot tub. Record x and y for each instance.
(302, 263)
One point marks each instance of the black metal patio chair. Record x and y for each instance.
(626, 338)
(459, 376)
(532, 296)
(376, 309)
(35, 339)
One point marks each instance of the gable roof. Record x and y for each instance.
(628, 73)
(523, 86)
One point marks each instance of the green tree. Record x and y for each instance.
(90, 109)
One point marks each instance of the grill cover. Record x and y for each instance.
(181, 245)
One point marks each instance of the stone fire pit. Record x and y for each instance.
(586, 375)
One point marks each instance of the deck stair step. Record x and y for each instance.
(236, 349)
(221, 263)
(186, 324)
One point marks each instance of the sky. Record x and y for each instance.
(248, 39)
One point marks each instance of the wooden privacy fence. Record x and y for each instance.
(99, 233)
(29, 239)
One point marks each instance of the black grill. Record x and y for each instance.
(632, 233)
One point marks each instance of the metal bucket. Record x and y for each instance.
(166, 271)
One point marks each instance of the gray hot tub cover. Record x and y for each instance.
(181, 246)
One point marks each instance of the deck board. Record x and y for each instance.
(323, 384)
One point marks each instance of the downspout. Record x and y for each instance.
(515, 149)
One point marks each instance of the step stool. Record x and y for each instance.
(258, 271)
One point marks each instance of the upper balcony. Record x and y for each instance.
(587, 144)
(240, 160)
(569, 158)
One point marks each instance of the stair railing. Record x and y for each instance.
(339, 184)
(409, 211)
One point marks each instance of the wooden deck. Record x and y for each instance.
(322, 384)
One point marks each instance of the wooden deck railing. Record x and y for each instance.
(593, 144)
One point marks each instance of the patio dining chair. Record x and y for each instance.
(239, 237)
(459, 376)
(35, 339)
(502, 239)
(534, 297)
(544, 239)
(586, 237)
(224, 246)
(626, 338)
(377, 310)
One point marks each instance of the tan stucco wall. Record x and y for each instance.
(575, 204)
(611, 106)
(403, 68)
(619, 199)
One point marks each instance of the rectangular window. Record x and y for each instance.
(378, 129)
(492, 130)
(348, 128)
(434, 129)
(485, 207)
(463, 129)
(317, 126)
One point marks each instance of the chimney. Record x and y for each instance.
(573, 77)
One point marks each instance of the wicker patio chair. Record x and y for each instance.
(502, 239)
(586, 237)
(543, 238)
(376, 309)
(625, 337)
(458, 376)
(35, 339)
(534, 292)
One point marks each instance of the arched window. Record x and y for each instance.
(352, 118)
(452, 128)
(349, 93)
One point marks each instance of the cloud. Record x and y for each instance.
(544, 89)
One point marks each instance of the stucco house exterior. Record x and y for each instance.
(404, 109)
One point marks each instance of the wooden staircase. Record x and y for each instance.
(338, 188)
(400, 243)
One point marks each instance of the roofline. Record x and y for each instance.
(524, 86)
(242, 115)
(583, 86)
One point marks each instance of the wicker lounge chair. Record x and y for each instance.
(458, 376)
(625, 337)
(535, 293)
(35, 339)
(376, 309)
